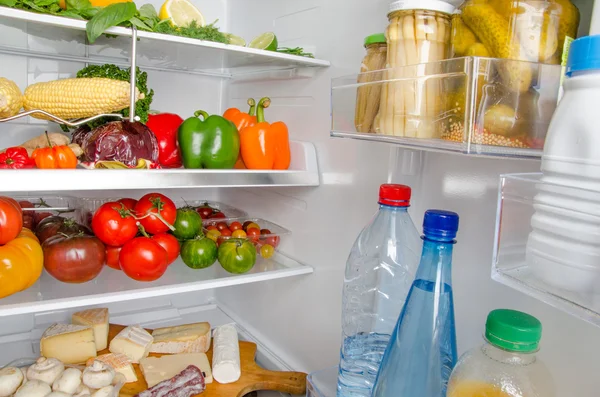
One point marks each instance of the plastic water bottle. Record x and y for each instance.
(379, 272)
(422, 351)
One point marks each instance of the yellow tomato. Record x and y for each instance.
(95, 3)
(267, 251)
(252, 226)
(21, 264)
(238, 234)
(213, 235)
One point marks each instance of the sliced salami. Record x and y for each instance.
(187, 383)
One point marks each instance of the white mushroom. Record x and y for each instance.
(98, 375)
(34, 388)
(58, 394)
(106, 391)
(82, 391)
(68, 381)
(46, 370)
(10, 380)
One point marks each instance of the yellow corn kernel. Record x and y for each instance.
(11, 99)
(79, 98)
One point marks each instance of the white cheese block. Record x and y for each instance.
(226, 354)
(134, 342)
(71, 344)
(157, 369)
(120, 363)
(189, 338)
(98, 320)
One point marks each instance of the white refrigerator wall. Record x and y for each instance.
(299, 318)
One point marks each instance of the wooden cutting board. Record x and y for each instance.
(253, 377)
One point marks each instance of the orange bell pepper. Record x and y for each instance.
(265, 146)
(52, 157)
(241, 119)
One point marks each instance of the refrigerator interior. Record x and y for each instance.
(296, 320)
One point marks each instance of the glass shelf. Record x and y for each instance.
(462, 105)
(53, 37)
(513, 227)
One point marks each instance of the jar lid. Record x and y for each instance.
(432, 5)
(377, 38)
(513, 330)
(584, 54)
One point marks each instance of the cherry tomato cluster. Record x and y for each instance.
(208, 212)
(32, 215)
(264, 241)
(136, 235)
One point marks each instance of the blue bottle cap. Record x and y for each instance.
(440, 223)
(584, 54)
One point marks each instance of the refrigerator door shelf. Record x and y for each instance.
(114, 286)
(540, 273)
(53, 37)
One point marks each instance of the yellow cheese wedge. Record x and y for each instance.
(71, 344)
(98, 320)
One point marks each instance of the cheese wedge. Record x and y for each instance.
(189, 338)
(71, 344)
(134, 342)
(98, 320)
(157, 369)
(119, 362)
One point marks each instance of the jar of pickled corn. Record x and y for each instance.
(524, 30)
(418, 33)
(368, 95)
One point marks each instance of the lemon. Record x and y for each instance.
(236, 40)
(181, 13)
(266, 41)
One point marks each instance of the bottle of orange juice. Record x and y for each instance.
(506, 364)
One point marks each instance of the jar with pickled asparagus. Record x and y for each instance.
(418, 35)
(369, 95)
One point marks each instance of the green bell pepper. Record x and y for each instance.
(212, 143)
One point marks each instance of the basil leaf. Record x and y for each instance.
(109, 16)
(71, 14)
(89, 13)
(78, 4)
(139, 24)
(148, 11)
(45, 3)
(8, 3)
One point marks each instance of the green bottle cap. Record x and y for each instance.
(378, 38)
(513, 330)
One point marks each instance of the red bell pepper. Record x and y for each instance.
(16, 158)
(165, 126)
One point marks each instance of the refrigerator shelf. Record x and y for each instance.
(513, 226)
(303, 171)
(114, 286)
(54, 37)
(322, 383)
(460, 105)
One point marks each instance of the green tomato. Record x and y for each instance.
(237, 255)
(187, 224)
(199, 253)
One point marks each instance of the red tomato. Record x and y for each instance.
(273, 240)
(225, 232)
(114, 224)
(162, 206)
(11, 219)
(264, 232)
(28, 216)
(204, 211)
(169, 244)
(235, 226)
(143, 259)
(75, 258)
(222, 226)
(112, 257)
(217, 215)
(129, 203)
(253, 234)
(245, 225)
(212, 227)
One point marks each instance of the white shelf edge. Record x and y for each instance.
(77, 24)
(153, 291)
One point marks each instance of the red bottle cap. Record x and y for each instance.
(394, 195)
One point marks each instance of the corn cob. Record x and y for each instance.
(79, 98)
(11, 99)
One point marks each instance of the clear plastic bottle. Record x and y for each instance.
(506, 365)
(379, 272)
(422, 350)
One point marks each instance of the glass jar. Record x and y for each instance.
(418, 33)
(506, 365)
(535, 30)
(369, 95)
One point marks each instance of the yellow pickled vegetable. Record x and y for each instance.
(477, 50)
(11, 99)
(569, 20)
(493, 31)
(500, 119)
(462, 36)
(79, 98)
